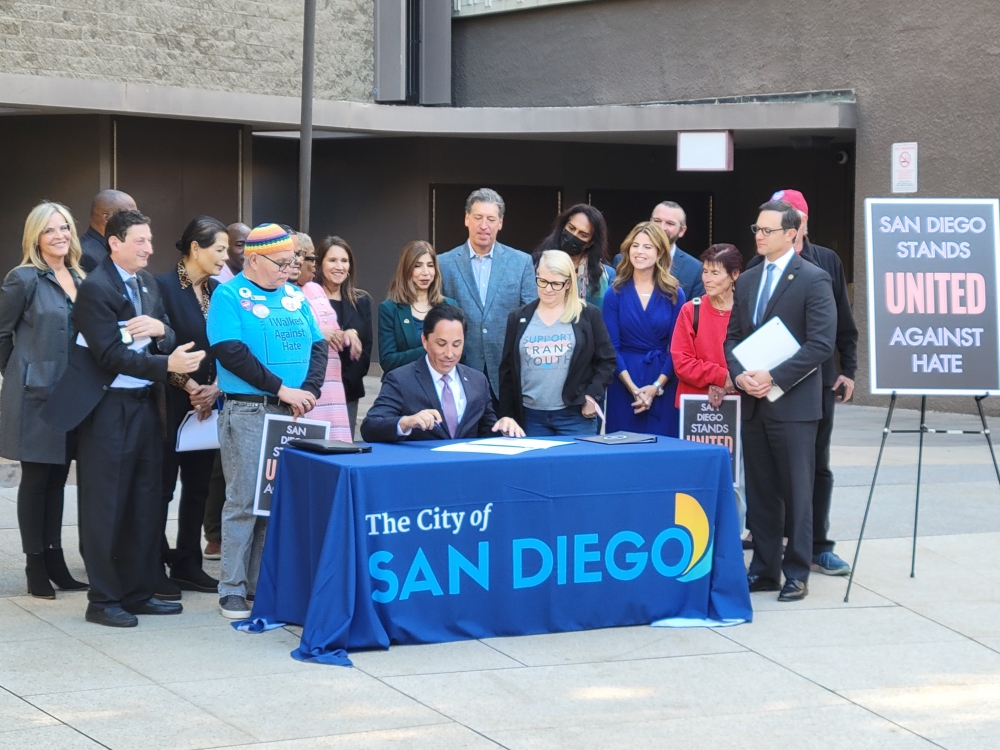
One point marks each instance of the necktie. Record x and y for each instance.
(448, 407)
(133, 285)
(765, 294)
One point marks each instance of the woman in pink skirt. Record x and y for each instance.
(332, 403)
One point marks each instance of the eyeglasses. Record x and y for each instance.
(281, 266)
(310, 259)
(766, 231)
(556, 286)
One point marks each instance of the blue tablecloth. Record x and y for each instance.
(409, 545)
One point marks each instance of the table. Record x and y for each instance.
(410, 545)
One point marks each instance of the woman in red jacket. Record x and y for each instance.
(699, 359)
(697, 350)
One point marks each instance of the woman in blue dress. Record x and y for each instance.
(640, 309)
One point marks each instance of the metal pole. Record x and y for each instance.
(864, 521)
(305, 128)
(986, 432)
(920, 463)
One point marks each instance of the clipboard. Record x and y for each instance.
(769, 346)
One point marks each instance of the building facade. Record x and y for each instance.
(192, 107)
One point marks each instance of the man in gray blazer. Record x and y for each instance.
(488, 280)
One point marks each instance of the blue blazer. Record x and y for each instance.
(686, 269)
(398, 339)
(409, 389)
(512, 284)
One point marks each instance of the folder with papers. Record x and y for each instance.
(766, 348)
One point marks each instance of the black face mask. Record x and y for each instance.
(570, 243)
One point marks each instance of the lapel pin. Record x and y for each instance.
(406, 320)
(521, 320)
(145, 290)
(791, 276)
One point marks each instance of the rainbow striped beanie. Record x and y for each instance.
(265, 239)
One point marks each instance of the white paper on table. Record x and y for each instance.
(195, 435)
(530, 444)
(769, 346)
(477, 447)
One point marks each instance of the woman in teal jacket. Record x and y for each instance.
(414, 290)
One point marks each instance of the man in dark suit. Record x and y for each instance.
(824, 559)
(93, 244)
(779, 437)
(670, 217)
(124, 343)
(436, 398)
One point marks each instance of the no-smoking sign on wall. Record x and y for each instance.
(904, 167)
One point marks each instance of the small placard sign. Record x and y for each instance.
(703, 424)
(278, 430)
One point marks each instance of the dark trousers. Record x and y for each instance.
(780, 461)
(196, 473)
(40, 506)
(119, 456)
(823, 491)
(213, 504)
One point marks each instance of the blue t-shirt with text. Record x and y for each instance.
(277, 326)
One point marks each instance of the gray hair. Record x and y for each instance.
(485, 195)
(676, 207)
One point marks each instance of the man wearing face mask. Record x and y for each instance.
(581, 232)
(670, 217)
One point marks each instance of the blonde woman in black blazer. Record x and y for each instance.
(557, 335)
(35, 338)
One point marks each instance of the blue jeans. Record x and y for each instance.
(566, 421)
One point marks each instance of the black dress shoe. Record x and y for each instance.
(793, 591)
(166, 590)
(759, 583)
(194, 580)
(154, 606)
(112, 616)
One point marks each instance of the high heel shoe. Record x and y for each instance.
(55, 565)
(38, 579)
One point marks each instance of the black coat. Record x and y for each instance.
(353, 372)
(34, 353)
(591, 366)
(184, 311)
(847, 330)
(410, 389)
(803, 299)
(95, 249)
(101, 302)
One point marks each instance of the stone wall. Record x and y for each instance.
(244, 46)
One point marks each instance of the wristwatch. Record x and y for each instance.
(658, 387)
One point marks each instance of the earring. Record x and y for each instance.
(196, 256)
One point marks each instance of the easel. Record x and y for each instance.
(923, 430)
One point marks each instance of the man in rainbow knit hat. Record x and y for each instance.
(271, 360)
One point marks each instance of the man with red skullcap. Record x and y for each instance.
(824, 559)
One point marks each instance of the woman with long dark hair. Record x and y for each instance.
(336, 273)
(640, 310)
(581, 232)
(415, 288)
(36, 333)
(187, 292)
